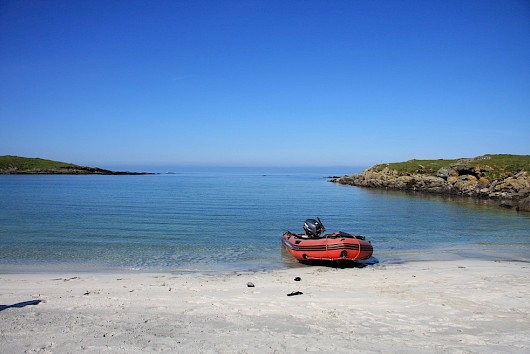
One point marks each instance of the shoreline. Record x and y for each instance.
(440, 306)
(516, 205)
(285, 262)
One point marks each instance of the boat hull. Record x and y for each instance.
(332, 247)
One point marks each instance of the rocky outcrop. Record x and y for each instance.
(512, 190)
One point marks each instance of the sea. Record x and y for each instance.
(213, 220)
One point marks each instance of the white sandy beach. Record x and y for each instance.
(470, 306)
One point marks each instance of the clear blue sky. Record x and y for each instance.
(263, 83)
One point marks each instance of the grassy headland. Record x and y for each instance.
(489, 166)
(24, 165)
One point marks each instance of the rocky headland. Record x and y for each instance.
(503, 178)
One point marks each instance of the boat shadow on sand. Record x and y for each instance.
(20, 304)
(341, 264)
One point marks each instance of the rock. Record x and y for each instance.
(250, 285)
(483, 182)
(467, 185)
(452, 180)
(506, 203)
(444, 172)
(524, 204)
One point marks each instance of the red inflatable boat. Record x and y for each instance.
(315, 245)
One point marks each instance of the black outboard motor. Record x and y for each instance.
(313, 228)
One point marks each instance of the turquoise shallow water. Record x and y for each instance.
(232, 221)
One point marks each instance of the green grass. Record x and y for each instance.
(491, 166)
(25, 163)
(412, 166)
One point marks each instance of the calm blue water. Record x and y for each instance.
(231, 221)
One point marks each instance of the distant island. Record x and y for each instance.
(16, 165)
(504, 178)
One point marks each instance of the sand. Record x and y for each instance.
(469, 306)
